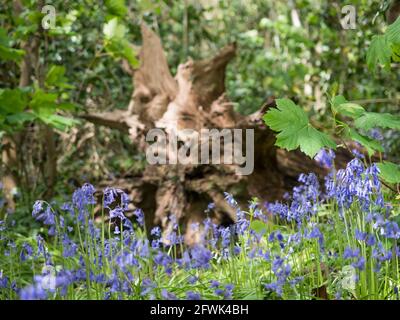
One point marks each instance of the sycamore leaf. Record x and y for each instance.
(55, 77)
(43, 103)
(379, 52)
(7, 52)
(116, 7)
(393, 32)
(338, 100)
(295, 130)
(20, 118)
(370, 144)
(12, 101)
(351, 110)
(371, 120)
(396, 52)
(390, 172)
(112, 29)
(58, 122)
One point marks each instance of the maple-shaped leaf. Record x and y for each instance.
(390, 172)
(371, 120)
(294, 129)
(379, 52)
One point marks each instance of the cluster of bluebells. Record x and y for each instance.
(113, 250)
(303, 203)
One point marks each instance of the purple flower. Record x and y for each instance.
(350, 253)
(190, 295)
(201, 257)
(139, 216)
(168, 295)
(230, 200)
(325, 158)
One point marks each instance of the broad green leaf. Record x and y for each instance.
(351, 110)
(10, 53)
(258, 226)
(20, 118)
(120, 48)
(56, 77)
(6, 52)
(12, 101)
(116, 7)
(43, 103)
(59, 122)
(396, 52)
(129, 54)
(338, 100)
(370, 144)
(390, 172)
(112, 29)
(393, 32)
(379, 52)
(371, 120)
(295, 130)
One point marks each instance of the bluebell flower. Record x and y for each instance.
(325, 158)
(370, 240)
(117, 212)
(190, 295)
(156, 232)
(37, 208)
(33, 292)
(192, 279)
(69, 247)
(147, 287)
(375, 134)
(139, 216)
(26, 251)
(350, 253)
(391, 230)
(359, 263)
(3, 280)
(201, 257)
(230, 200)
(361, 236)
(168, 295)
(225, 236)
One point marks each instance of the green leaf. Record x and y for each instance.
(120, 48)
(371, 120)
(390, 172)
(112, 29)
(338, 100)
(295, 130)
(370, 144)
(12, 101)
(59, 122)
(116, 7)
(6, 52)
(258, 226)
(20, 118)
(396, 52)
(351, 110)
(43, 103)
(55, 77)
(393, 32)
(379, 52)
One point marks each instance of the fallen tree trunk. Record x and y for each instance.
(195, 99)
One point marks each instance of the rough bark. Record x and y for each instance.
(194, 99)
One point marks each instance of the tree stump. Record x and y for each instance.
(195, 99)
